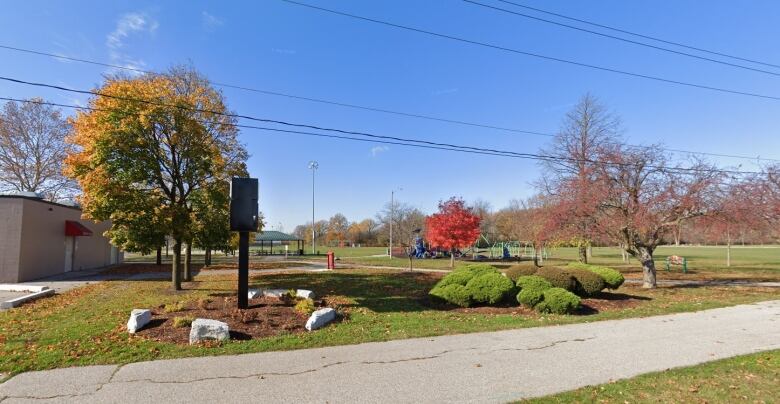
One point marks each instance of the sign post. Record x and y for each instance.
(243, 219)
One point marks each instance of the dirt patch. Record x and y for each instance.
(132, 269)
(265, 317)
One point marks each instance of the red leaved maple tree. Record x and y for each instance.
(453, 227)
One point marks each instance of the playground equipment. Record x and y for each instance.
(419, 246)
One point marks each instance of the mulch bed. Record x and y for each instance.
(609, 302)
(265, 317)
(605, 301)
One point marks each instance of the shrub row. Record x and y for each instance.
(548, 291)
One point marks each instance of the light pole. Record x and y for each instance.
(392, 217)
(313, 166)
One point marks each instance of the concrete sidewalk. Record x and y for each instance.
(484, 367)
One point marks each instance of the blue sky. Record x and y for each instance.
(276, 46)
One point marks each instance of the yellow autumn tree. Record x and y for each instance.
(147, 147)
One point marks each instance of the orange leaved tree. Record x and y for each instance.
(147, 154)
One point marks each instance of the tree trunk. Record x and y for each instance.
(728, 248)
(410, 262)
(159, 255)
(648, 267)
(452, 259)
(175, 272)
(677, 234)
(583, 253)
(207, 257)
(188, 262)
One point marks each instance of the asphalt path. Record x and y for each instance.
(489, 367)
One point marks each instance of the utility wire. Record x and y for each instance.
(621, 39)
(537, 55)
(395, 140)
(366, 108)
(623, 31)
(281, 94)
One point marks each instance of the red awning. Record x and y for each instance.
(73, 228)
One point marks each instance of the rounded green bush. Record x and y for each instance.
(463, 275)
(438, 292)
(558, 301)
(489, 288)
(516, 271)
(531, 289)
(558, 277)
(588, 283)
(612, 277)
(457, 294)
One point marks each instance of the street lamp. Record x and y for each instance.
(392, 217)
(313, 166)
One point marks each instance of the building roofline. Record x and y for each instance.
(29, 198)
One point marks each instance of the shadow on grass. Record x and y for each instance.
(619, 296)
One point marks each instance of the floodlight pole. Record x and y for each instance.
(313, 166)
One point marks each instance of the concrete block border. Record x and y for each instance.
(16, 287)
(8, 304)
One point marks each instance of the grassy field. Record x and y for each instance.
(86, 326)
(751, 378)
(758, 263)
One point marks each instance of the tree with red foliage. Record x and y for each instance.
(646, 197)
(453, 227)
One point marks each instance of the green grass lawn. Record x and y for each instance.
(758, 263)
(86, 325)
(751, 378)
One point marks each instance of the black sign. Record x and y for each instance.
(243, 204)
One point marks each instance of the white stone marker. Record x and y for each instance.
(305, 294)
(253, 293)
(320, 318)
(138, 319)
(205, 329)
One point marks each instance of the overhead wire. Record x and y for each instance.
(367, 108)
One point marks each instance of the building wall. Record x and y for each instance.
(42, 242)
(10, 238)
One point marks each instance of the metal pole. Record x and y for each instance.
(313, 239)
(243, 270)
(392, 215)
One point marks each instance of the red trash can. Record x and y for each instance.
(331, 260)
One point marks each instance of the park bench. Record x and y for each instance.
(676, 260)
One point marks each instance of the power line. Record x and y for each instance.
(385, 139)
(537, 55)
(363, 107)
(617, 38)
(287, 95)
(623, 31)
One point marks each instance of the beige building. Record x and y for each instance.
(40, 238)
